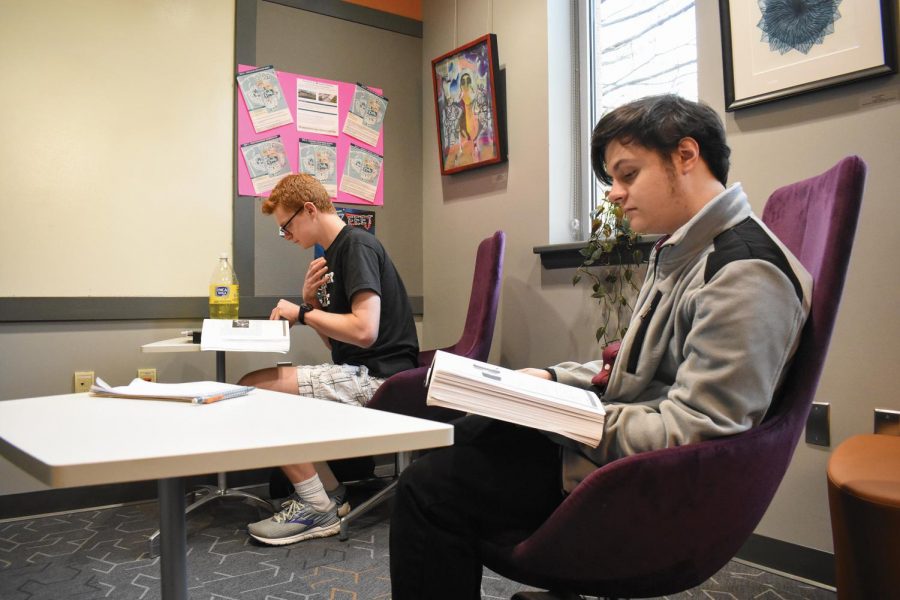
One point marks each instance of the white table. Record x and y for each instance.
(221, 489)
(78, 439)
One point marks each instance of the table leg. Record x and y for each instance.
(220, 366)
(173, 540)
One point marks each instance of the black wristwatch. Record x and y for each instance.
(304, 308)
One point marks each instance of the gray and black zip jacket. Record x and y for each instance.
(715, 324)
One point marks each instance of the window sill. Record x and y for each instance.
(568, 256)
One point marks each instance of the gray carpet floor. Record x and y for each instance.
(104, 553)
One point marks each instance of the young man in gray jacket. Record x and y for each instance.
(716, 322)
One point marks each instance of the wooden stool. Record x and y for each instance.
(864, 497)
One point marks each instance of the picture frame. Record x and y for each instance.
(470, 122)
(776, 49)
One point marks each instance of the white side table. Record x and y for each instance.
(207, 493)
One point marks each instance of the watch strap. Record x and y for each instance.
(304, 308)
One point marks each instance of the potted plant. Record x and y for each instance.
(611, 259)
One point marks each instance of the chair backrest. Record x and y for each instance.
(478, 332)
(816, 219)
(663, 521)
(404, 392)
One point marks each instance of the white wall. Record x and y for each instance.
(545, 320)
(117, 146)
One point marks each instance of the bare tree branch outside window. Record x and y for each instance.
(642, 49)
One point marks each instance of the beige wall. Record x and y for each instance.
(540, 321)
(544, 319)
(114, 146)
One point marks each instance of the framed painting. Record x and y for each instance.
(469, 120)
(773, 49)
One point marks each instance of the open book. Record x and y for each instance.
(476, 387)
(197, 392)
(246, 335)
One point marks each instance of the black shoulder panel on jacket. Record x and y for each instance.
(747, 240)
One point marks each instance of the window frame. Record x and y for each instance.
(587, 109)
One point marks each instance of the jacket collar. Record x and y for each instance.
(721, 213)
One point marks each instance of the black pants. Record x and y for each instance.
(498, 482)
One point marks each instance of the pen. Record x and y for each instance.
(210, 399)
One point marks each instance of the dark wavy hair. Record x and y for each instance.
(658, 123)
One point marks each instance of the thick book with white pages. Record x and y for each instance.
(475, 387)
(246, 335)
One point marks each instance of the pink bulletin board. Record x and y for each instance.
(290, 137)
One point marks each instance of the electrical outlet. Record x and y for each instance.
(887, 422)
(147, 374)
(818, 429)
(83, 380)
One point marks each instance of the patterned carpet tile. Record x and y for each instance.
(105, 554)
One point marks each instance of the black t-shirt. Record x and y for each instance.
(359, 262)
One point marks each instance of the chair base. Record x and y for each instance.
(546, 596)
(375, 500)
(402, 460)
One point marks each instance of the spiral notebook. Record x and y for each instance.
(196, 392)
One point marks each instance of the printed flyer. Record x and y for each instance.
(266, 162)
(361, 173)
(366, 115)
(319, 159)
(264, 99)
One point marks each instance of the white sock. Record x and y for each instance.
(312, 492)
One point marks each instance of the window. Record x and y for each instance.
(630, 49)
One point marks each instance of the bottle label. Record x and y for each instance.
(223, 294)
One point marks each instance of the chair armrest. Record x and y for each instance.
(404, 393)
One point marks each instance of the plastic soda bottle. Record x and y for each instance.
(223, 291)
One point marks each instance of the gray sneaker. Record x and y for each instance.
(338, 495)
(296, 522)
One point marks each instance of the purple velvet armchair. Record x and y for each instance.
(664, 521)
(404, 393)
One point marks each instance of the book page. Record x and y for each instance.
(247, 335)
(139, 388)
(516, 382)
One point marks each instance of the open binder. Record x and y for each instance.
(246, 335)
(197, 392)
(471, 386)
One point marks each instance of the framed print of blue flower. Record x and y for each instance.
(796, 24)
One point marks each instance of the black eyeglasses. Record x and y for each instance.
(282, 229)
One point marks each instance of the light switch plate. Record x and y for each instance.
(818, 426)
(887, 422)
